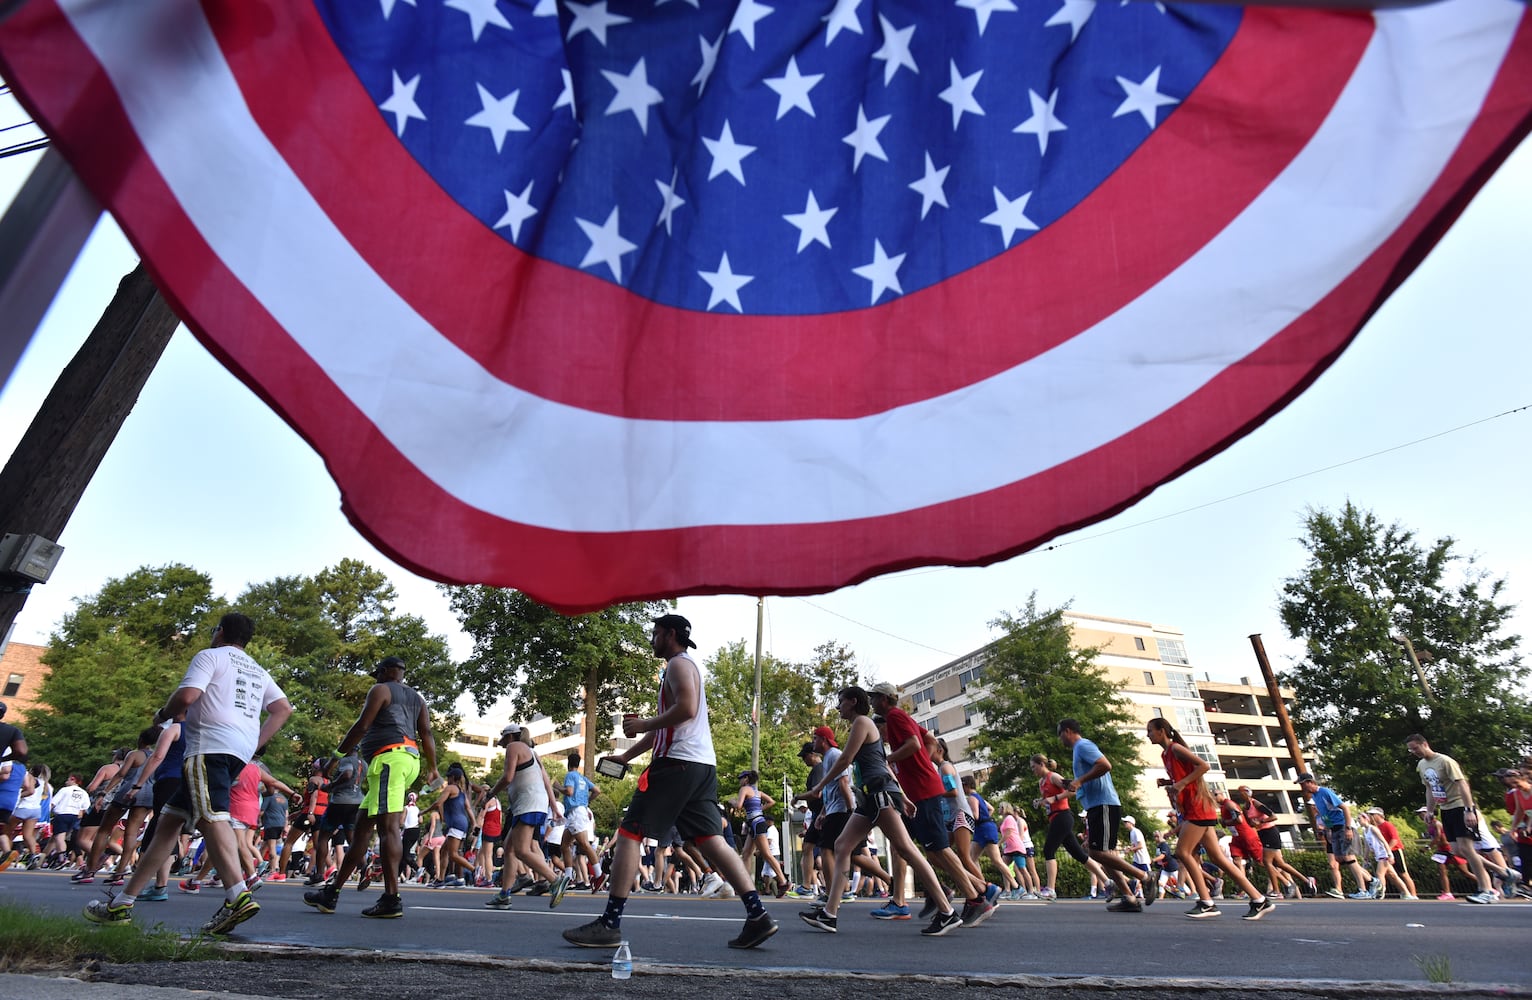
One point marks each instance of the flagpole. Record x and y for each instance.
(755, 711)
(41, 235)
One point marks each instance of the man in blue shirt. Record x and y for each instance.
(1093, 789)
(1335, 817)
(579, 821)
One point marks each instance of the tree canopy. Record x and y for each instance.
(1034, 676)
(1367, 589)
(117, 657)
(554, 664)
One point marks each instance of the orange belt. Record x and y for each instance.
(409, 745)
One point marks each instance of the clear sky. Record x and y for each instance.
(1206, 553)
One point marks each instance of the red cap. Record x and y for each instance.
(827, 734)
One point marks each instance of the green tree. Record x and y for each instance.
(1366, 588)
(113, 661)
(1034, 676)
(321, 636)
(791, 706)
(116, 658)
(555, 664)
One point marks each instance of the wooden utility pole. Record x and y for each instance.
(1288, 733)
(47, 474)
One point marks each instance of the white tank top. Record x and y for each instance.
(691, 740)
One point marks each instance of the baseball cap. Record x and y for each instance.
(1130, 819)
(386, 664)
(827, 734)
(1305, 776)
(1375, 811)
(510, 730)
(1507, 772)
(884, 688)
(806, 749)
(1423, 811)
(680, 626)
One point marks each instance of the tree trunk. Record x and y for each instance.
(47, 474)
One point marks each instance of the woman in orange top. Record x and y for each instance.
(1199, 819)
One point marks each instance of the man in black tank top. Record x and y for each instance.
(391, 734)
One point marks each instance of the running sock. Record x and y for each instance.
(231, 893)
(753, 906)
(613, 915)
(123, 899)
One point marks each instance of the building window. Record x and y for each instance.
(1181, 685)
(13, 685)
(1204, 751)
(1190, 720)
(1138, 642)
(1149, 678)
(933, 727)
(1159, 713)
(1173, 651)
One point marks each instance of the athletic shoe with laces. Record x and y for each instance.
(539, 888)
(1335, 894)
(848, 896)
(712, 882)
(231, 915)
(1152, 887)
(598, 881)
(386, 908)
(1379, 888)
(595, 934)
(7, 858)
(796, 892)
(991, 893)
(1125, 904)
(104, 911)
(155, 894)
(1482, 898)
(81, 877)
(324, 899)
(1361, 894)
(943, 923)
(523, 882)
(1446, 897)
(1047, 895)
(819, 919)
(1202, 909)
(1259, 909)
(189, 885)
(754, 932)
(891, 911)
(499, 901)
(276, 877)
(557, 890)
(982, 911)
(253, 883)
(929, 910)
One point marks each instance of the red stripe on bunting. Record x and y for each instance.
(568, 336)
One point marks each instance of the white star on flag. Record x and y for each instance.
(388, 7)
(634, 93)
(812, 223)
(518, 209)
(499, 115)
(745, 17)
(566, 96)
(1074, 13)
(401, 103)
(670, 200)
(793, 89)
(842, 18)
(865, 139)
(883, 272)
(728, 155)
(724, 284)
(594, 18)
(930, 186)
(1145, 98)
(1009, 215)
(959, 94)
(481, 13)
(709, 60)
(982, 9)
(1042, 121)
(606, 244)
(896, 50)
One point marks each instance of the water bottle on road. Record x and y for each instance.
(622, 962)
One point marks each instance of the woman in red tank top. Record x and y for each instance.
(1199, 819)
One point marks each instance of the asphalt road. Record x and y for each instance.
(1312, 939)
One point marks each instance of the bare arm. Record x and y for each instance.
(378, 698)
(277, 714)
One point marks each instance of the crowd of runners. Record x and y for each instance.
(192, 808)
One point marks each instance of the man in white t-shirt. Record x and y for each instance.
(223, 695)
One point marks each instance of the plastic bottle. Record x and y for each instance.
(622, 962)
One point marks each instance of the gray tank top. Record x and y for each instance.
(870, 768)
(394, 725)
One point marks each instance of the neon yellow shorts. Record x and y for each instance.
(389, 777)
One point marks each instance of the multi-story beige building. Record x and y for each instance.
(22, 671)
(1231, 726)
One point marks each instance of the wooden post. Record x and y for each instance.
(47, 474)
(1288, 733)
